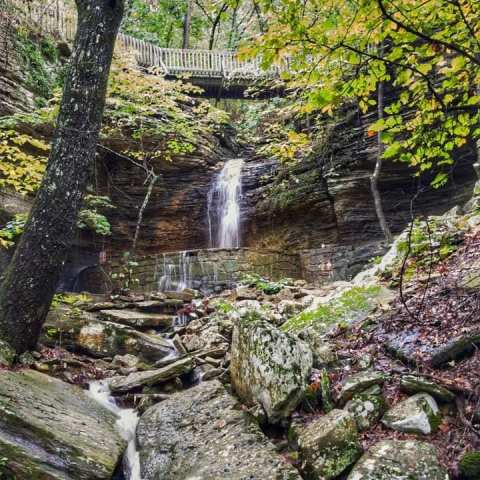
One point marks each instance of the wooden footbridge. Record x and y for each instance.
(221, 74)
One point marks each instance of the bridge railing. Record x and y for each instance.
(56, 19)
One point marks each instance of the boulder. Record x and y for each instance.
(399, 460)
(358, 382)
(53, 430)
(269, 367)
(414, 384)
(86, 333)
(328, 445)
(417, 414)
(151, 377)
(202, 434)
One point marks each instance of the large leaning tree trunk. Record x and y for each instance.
(29, 283)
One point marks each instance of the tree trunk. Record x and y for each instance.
(187, 24)
(378, 169)
(29, 283)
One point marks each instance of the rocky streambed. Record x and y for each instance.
(266, 381)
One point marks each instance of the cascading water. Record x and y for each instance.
(223, 208)
(177, 272)
(126, 424)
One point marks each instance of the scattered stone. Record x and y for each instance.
(144, 401)
(323, 351)
(246, 293)
(399, 460)
(212, 373)
(269, 367)
(366, 407)
(138, 319)
(329, 444)
(151, 377)
(360, 381)
(179, 346)
(96, 307)
(52, 430)
(202, 434)
(99, 338)
(414, 384)
(127, 360)
(417, 414)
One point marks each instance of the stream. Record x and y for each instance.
(126, 425)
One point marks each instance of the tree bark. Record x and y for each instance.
(29, 283)
(187, 25)
(378, 169)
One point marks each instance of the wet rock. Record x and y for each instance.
(211, 374)
(186, 295)
(138, 319)
(201, 434)
(329, 444)
(96, 307)
(129, 361)
(269, 367)
(417, 414)
(150, 305)
(414, 384)
(151, 377)
(359, 382)
(52, 430)
(87, 334)
(399, 460)
(366, 407)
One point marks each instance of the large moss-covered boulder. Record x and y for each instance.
(202, 434)
(269, 367)
(417, 414)
(328, 445)
(52, 430)
(399, 460)
(84, 332)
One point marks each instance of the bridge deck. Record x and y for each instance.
(220, 73)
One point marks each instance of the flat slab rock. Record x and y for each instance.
(202, 434)
(138, 319)
(151, 377)
(52, 430)
(399, 460)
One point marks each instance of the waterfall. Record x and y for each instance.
(126, 425)
(177, 272)
(223, 207)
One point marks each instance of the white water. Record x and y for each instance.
(223, 207)
(126, 425)
(177, 274)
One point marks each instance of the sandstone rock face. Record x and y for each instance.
(269, 367)
(329, 445)
(201, 434)
(417, 414)
(99, 338)
(399, 460)
(53, 430)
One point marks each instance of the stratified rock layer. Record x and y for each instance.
(53, 430)
(202, 434)
(269, 367)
